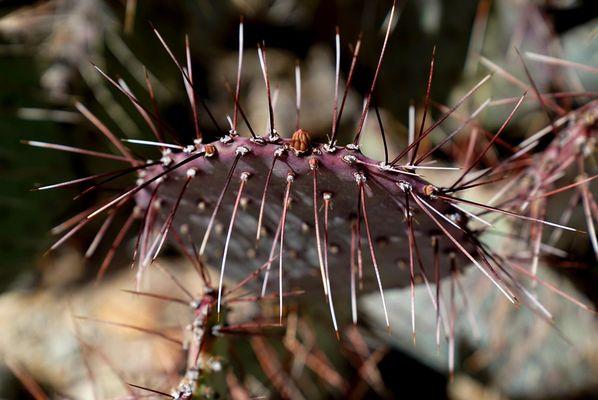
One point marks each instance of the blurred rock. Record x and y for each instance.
(509, 348)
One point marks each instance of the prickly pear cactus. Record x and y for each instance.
(328, 189)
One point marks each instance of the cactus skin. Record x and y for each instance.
(335, 170)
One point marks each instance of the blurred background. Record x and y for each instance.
(46, 53)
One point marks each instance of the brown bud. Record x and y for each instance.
(210, 150)
(300, 141)
(429, 190)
